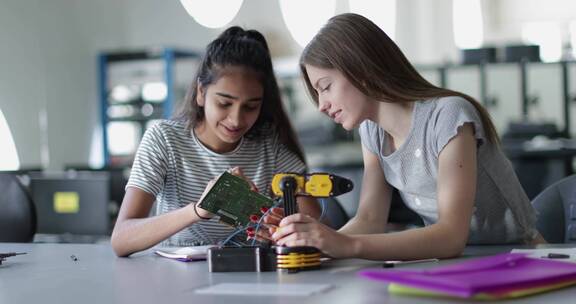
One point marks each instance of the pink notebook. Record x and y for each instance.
(499, 273)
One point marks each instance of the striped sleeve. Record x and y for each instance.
(151, 163)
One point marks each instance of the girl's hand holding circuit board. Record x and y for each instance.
(205, 214)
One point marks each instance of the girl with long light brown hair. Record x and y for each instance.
(438, 147)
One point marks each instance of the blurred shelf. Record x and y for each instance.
(138, 87)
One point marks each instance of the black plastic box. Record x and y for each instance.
(518, 53)
(241, 259)
(477, 56)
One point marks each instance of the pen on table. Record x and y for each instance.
(390, 264)
(11, 254)
(553, 255)
(4, 256)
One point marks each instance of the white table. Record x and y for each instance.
(47, 274)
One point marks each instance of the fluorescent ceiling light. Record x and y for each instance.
(304, 18)
(213, 13)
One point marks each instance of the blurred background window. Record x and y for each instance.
(546, 35)
(468, 23)
(8, 154)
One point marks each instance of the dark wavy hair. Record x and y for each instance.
(373, 63)
(237, 47)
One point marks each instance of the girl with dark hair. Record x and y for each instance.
(232, 117)
(438, 147)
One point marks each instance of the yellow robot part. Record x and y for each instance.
(319, 185)
(277, 181)
(316, 184)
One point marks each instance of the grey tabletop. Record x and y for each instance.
(48, 274)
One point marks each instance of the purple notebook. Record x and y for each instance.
(490, 274)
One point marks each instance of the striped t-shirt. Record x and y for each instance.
(174, 166)
(502, 211)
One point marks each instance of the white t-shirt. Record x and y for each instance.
(173, 165)
(502, 211)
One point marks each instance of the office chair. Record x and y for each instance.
(334, 213)
(556, 207)
(17, 211)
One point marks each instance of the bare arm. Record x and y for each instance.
(446, 238)
(135, 231)
(374, 205)
(456, 192)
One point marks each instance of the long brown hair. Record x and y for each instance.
(237, 47)
(374, 64)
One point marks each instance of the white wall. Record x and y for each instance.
(506, 16)
(424, 31)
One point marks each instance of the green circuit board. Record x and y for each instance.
(232, 199)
